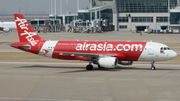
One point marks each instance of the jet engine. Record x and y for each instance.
(108, 62)
(125, 62)
(6, 29)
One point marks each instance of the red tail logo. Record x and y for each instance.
(25, 31)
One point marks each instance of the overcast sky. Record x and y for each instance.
(38, 6)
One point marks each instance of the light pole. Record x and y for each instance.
(60, 7)
(55, 15)
(168, 14)
(77, 8)
(90, 10)
(66, 6)
(51, 6)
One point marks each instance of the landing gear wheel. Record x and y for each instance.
(99, 66)
(89, 67)
(153, 68)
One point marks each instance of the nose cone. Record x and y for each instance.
(173, 54)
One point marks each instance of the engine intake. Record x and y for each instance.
(108, 62)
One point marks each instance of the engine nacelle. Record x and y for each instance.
(108, 62)
(6, 29)
(125, 62)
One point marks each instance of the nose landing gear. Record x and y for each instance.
(152, 66)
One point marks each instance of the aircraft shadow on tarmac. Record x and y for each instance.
(95, 68)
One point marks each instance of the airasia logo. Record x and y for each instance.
(108, 47)
(29, 35)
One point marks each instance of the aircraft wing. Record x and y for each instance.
(87, 55)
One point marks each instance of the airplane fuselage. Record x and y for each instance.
(123, 51)
(10, 25)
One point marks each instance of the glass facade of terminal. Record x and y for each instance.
(57, 17)
(68, 19)
(142, 19)
(123, 19)
(105, 14)
(85, 16)
(93, 3)
(144, 6)
(123, 27)
(161, 19)
(175, 18)
(105, 0)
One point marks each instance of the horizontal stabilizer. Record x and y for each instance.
(27, 47)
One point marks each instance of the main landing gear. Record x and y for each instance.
(89, 67)
(152, 66)
(99, 66)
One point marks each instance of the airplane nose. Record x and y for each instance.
(173, 54)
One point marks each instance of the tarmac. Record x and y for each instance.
(27, 77)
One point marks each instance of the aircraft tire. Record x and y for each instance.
(89, 67)
(153, 68)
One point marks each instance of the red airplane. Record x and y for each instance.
(106, 54)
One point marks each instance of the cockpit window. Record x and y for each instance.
(165, 48)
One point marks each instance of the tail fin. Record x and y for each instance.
(25, 31)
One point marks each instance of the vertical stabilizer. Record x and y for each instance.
(25, 31)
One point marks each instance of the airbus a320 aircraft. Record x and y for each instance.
(106, 54)
(7, 26)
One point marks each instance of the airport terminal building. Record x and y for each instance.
(128, 15)
(134, 14)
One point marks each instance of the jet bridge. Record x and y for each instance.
(88, 26)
